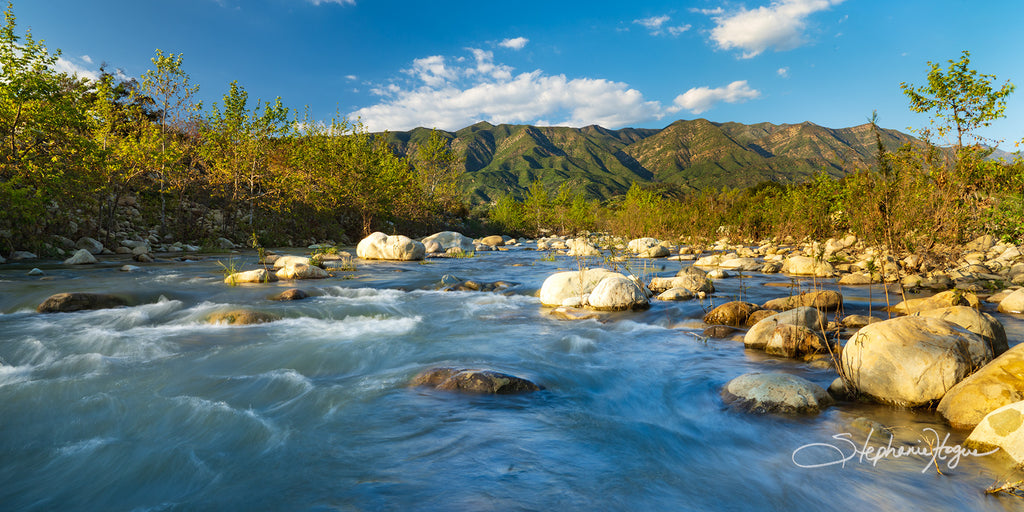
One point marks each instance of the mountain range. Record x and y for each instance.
(685, 155)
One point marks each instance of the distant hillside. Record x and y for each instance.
(691, 155)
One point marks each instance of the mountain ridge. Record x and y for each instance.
(687, 154)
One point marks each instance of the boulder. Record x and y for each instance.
(826, 300)
(912, 361)
(759, 335)
(79, 301)
(474, 381)
(640, 245)
(579, 247)
(241, 317)
(804, 266)
(259, 275)
(379, 246)
(572, 313)
(940, 300)
(225, 244)
(733, 313)
(300, 271)
(447, 240)
(493, 240)
(23, 255)
(617, 292)
(676, 294)
(290, 294)
(693, 279)
(81, 257)
(742, 264)
(1012, 303)
(658, 251)
(286, 260)
(759, 315)
(982, 324)
(564, 285)
(776, 393)
(1001, 429)
(771, 267)
(795, 341)
(998, 383)
(855, 279)
(858, 321)
(718, 331)
(90, 244)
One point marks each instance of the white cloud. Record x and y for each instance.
(87, 59)
(351, 78)
(516, 43)
(701, 99)
(779, 25)
(656, 25)
(339, 2)
(452, 97)
(783, 72)
(66, 66)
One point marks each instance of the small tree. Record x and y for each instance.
(960, 99)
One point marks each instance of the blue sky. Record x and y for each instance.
(401, 64)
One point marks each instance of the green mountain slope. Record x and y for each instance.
(601, 163)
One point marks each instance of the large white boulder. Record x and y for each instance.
(81, 257)
(776, 393)
(804, 266)
(379, 246)
(450, 239)
(912, 361)
(1002, 428)
(639, 245)
(581, 247)
(617, 292)
(571, 284)
(1013, 303)
(996, 384)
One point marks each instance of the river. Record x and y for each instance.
(149, 408)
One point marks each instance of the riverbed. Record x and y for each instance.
(148, 407)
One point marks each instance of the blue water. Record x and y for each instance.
(149, 408)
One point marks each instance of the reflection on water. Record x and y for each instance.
(150, 408)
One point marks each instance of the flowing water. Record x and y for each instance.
(149, 408)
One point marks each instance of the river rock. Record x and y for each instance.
(658, 251)
(718, 331)
(676, 294)
(81, 257)
(761, 332)
(379, 246)
(290, 294)
(759, 315)
(259, 275)
(858, 321)
(241, 317)
(913, 360)
(855, 279)
(776, 393)
(574, 313)
(640, 245)
(564, 285)
(616, 292)
(733, 313)
(795, 341)
(447, 240)
(742, 264)
(982, 324)
(286, 260)
(1002, 428)
(23, 255)
(826, 300)
(79, 301)
(90, 244)
(693, 279)
(940, 300)
(35, 272)
(579, 247)
(998, 383)
(804, 266)
(1012, 303)
(493, 240)
(300, 271)
(474, 381)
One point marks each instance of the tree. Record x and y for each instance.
(168, 87)
(960, 99)
(438, 170)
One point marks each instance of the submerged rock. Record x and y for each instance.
(241, 317)
(79, 301)
(474, 381)
(776, 393)
(290, 294)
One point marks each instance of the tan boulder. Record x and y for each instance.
(733, 313)
(998, 383)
